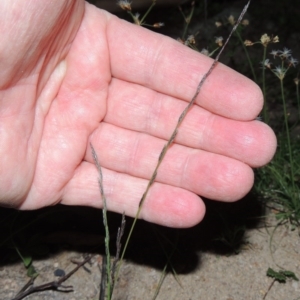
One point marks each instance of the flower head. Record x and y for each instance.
(266, 63)
(231, 20)
(158, 25)
(218, 24)
(274, 53)
(265, 40)
(219, 41)
(245, 22)
(124, 4)
(285, 53)
(292, 61)
(248, 43)
(204, 51)
(191, 39)
(279, 72)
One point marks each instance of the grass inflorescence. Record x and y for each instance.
(109, 281)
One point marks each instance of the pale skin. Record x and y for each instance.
(72, 75)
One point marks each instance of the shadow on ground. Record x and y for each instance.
(40, 234)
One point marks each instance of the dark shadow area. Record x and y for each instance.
(41, 232)
(222, 232)
(46, 231)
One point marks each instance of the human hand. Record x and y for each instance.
(72, 75)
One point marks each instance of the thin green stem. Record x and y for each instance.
(213, 52)
(288, 138)
(187, 22)
(134, 18)
(298, 97)
(247, 55)
(265, 110)
(174, 133)
(147, 12)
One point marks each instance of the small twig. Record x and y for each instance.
(52, 285)
(27, 285)
(270, 286)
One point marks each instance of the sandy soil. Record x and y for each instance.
(206, 268)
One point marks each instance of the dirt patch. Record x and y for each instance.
(218, 259)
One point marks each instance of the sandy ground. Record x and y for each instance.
(205, 268)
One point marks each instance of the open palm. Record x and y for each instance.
(72, 75)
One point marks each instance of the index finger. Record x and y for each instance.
(163, 64)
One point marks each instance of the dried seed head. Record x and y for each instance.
(231, 20)
(219, 41)
(274, 53)
(191, 40)
(245, 22)
(292, 61)
(266, 63)
(285, 53)
(279, 72)
(248, 43)
(265, 40)
(124, 4)
(158, 25)
(204, 51)
(275, 39)
(218, 24)
(296, 80)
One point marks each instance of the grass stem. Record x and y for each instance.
(237, 32)
(265, 109)
(175, 131)
(288, 139)
(108, 283)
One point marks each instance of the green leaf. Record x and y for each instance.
(276, 275)
(27, 260)
(281, 276)
(290, 274)
(31, 272)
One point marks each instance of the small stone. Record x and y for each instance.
(59, 273)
